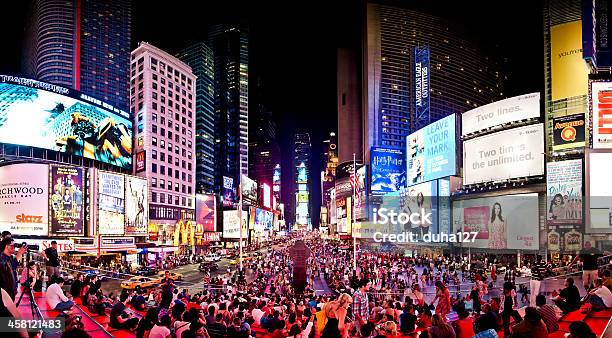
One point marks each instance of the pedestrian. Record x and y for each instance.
(538, 273)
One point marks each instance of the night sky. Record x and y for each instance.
(293, 48)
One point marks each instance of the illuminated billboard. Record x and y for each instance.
(599, 191)
(568, 132)
(248, 189)
(136, 206)
(601, 107)
(24, 193)
(512, 109)
(302, 174)
(361, 193)
(421, 85)
(388, 170)
(569, 72)
(206, 214)
(231, 224)
(267, 195)
(66, 201)
(229, 191)
(431, 151)
(56, 120)
(111, 204)
(502, 222)
(511, 153)
(263, 220)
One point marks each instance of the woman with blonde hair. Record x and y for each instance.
(440, 328)
(335, 311)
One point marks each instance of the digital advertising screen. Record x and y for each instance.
(63, 123)
(512, 109)
(206, 214)
(136, 206)
(423, 196)
(511, 153)
(111, 204)
(360, 203)
(229, 191)
(388, 170)
(501, 222)
(263, 220)
(569, 72)
(599, 191)
(66, 201)
(421, 84)
(24, 194)
(569, 132)
(431, 151)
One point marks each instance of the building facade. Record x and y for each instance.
(350, 136)
(163, 98)
(460, 78)
(230, 45)
(201, 60)
(81, 44)
(302, 201)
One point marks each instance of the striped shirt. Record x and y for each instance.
(538, 271)
(549, 316)
(510, 276)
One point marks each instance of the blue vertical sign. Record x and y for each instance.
(421, 86)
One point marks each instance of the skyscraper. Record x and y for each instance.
(200, 58)
(163, 105)
(230, 45)
(82, 44)
(303, 182)
(350, 136)
(460, 78)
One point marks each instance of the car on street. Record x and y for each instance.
(90, 272)
(208, 267)
(139, 281)
(173, 275)
(146, 271)
(212, 257)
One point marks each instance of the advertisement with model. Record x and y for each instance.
(431, 151)
(229, 192)
(388, 170)
(66, 201)
(24, 194)
(65, 124)
(502, 222)
(564, 192)
(512, 153)
(136, 206)
(509, 110)
(111, 204)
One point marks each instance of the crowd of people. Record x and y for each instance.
(390, 295)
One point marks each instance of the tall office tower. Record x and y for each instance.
(82, 44)
(565, 72)
(200, 58)
(460, 77)
(350, 136)
(230, 45)
(329, 171)
(303, 182)
(163, 91)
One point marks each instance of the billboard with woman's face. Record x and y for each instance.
(501, 222)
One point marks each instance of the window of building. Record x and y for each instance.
(176, 186)
(176, 138)
(162, 170)
(183, 189)
(189, 202)
(154, 117)
(162, 197)
(162, 183)
(183, 164)
(162, 132)
(189, 155)
(169, 185)
(170, 172)
(189, 190)
(154, 105)
(139, 117)
(176, 162)
(154, 129)
(176, 150)
(183, 201)
(169, 134)
(153, 61)
(154, 197)
(170, 158)
(184, 176)
(154, 141)
(154, 154)
(176, 174)
(163, 120)
(153, 167)
(189, 167)
(140, 128)
(162, 156)
(163, 144)
(154, 77)
(169, 198)
(176, 200)
(154, 182)
(169, 146)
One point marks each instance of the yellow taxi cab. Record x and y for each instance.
(139, 281)
(173, 275)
